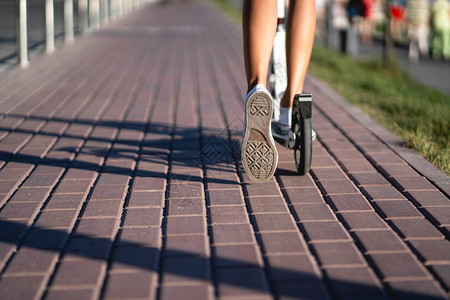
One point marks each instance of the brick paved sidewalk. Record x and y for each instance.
(120, 178)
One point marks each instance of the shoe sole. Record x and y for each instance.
(259, 155)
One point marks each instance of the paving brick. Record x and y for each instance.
(225, 197)
(416, 229)
(304, 195)
(146, 199)
(22, 210)
(185, 270)
(97, 227)
(350, 202)
(368, 179)
(6, 249)
(7, 187)
(282, 242)
(186, 206)
(13, 174)
(47, 180)
(223, 184)
(332, 255)
(347, 154)
(65, 201)
(77, 174)
(433, 251)
(363, 220)
(109, 192)
(187, 245)
(322, 161)
(181, 190)
(232, 233)
(396, 170)
(113, 179)
(291, 267)
(46, 239)
(262, 189)
(23, 287)
(86, 272)
(337, 187)
(31, 195)
(296, 181)
(397, 209)
(103, 208)
(443, 272)
(333, 173)
(425, 289)
(395, 266)
(135, 259)
(413, 183)
(347, 282)
(186, 225)
(428, 198)
(194, 292)
(75, 294)
(380, 240)
(325, 231)
(440, 213)
(32, 261)
(149, 184)
(312, 289)
(358, 166)
(143, 217)
(138, 285)
(81, 186)
(275, 222)
(267, 204)
(80, 248)
(237, 256)
(243, 282)
(57, 219)
(228, 215)
(150, 237)
(313, 212)
(383, 158)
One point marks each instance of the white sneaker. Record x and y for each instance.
(258, 151)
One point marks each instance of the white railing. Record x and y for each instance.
(92, 14)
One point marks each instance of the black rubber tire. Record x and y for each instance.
(303, 143)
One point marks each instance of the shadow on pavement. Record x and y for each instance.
(147, 258)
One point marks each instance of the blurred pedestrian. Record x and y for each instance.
(366, 25)
(418, 17)
(341, 22)
(441, 27)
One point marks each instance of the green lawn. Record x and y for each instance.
(419, 115)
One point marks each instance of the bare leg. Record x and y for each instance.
(300, 38)
(259, 26)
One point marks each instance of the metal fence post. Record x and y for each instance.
(94, 11)
(112, 9)
(22, 36)
(105, 11)
(49, 27)
(83, 23)
(68, 20)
